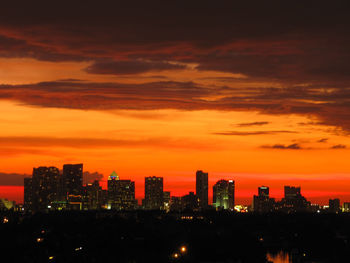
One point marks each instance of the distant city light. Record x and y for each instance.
(183, 249)
(5, 220)
(39, 239)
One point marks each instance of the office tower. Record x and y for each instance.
(262, 203)
(28, 194)
(153, 193)
(189, 202)
(202, 188)
(121, 193)
(346, 207)
(293, 201)
(291, 192)
(92, 196)
(263, 191)
(72, 185)
(224, 194)
(166, 200)
(334, 205)
(44, 187)
(175, 203)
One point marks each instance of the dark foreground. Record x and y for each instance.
(157, 237)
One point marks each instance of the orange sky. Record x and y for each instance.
(262, 98)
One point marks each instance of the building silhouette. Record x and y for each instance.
(92, 196)
(72, 185)
(334, 205)
(153, 193)
(293, 201)
(121, 193)
(262, 203)
(41, 191)
(224, 194)
(28, 194)
(202, 188)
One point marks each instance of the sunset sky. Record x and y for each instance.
(255, 91)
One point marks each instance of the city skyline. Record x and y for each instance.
(258, 92)
(141, 195)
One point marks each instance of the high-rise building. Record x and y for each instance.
(92, 196)
(42, 189)
(346, 207)
(121, 193)
(28, 194)
(224, 194)
(153, 193)
(293, 201)
(166, 200)
(72, 185)
(202, 188)
(334, 205)
(264, 191)
(291, 192)
(262, 203)
(190, 201)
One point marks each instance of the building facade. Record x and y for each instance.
(224, 194)
(154, 193)
(202, 188)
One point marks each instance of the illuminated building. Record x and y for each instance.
(262, 203)
(224, 194)
(92, 196)
(166, 200)
(346, 207)
(42, 189)
(334, 205)
(202, 188)
(121, 193)
(153, 193)
(72, 185)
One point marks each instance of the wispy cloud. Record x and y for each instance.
(247, 133)
(257, 123)
(293, 146)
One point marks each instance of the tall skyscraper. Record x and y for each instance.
(92, 196)
(121, 193)
(334, 205)
(202, 188)
(262, 203)
(224, 194)
(153, 193)
(293, 201)
(264, 191)
(291, 192)
(42, 188)
(28, 194)
(72, 185)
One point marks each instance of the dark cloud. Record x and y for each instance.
(130, 67)
(271, 40)
(257, 123)
(12, 179)
(323, 140)
(247, 133)
(339, 146)
(91, 177)
(293, 146)
(331, 106)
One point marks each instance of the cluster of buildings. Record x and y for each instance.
(51, 189)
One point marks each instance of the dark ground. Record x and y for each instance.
(155, 237)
